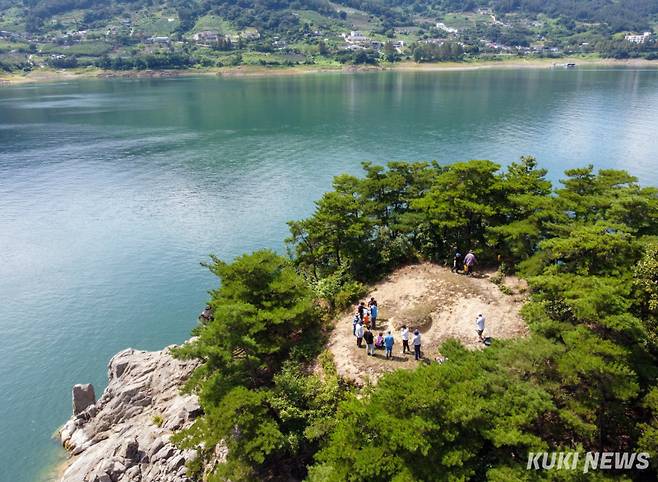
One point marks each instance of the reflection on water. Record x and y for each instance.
(112, 191)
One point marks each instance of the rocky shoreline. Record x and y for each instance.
(124, 435)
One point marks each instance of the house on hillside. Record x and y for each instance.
(206, 37)
(77, 34)
(356, 37)
(279, 44)
(159, 40)
(445, 28)
(250, 34)
(638, 39)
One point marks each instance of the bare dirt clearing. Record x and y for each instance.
(441, 304)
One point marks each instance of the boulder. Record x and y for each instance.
(130, 450)
(83, 397)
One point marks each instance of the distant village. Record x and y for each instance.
(402, 41)
(353, 40)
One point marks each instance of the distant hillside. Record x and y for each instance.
(618, 15)
(276, 14)
(127, 34)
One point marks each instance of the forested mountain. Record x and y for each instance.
(151, 34)
(617, 15)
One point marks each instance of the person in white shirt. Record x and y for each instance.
(416, 343)
(405, 340)
(479, 323)
(359, 334)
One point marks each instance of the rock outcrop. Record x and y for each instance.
(124, 436)
(83, 397)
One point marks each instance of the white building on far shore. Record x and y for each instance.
(356, 37)
(445, 28)
(637, 39)
(207, 36)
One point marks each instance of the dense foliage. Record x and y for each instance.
(585, 379)
(256, 396)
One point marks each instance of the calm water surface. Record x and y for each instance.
(112, 191)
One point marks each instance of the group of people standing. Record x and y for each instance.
(367, 314)
(364, 322)
(365, 319)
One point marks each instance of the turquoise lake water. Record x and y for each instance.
(113, 191)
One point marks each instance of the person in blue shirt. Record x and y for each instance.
(374, 311)
(389, 341)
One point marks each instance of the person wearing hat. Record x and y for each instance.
(457, 262)
(469, 262)
(416, 343)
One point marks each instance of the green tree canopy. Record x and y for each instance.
(261, 310)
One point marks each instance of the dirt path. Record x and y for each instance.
(440, 304)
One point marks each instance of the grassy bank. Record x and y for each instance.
(51, 75)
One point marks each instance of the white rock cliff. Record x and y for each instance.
(124, 436)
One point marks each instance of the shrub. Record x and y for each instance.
(349, 294)
(339, 290)
(158, 420)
